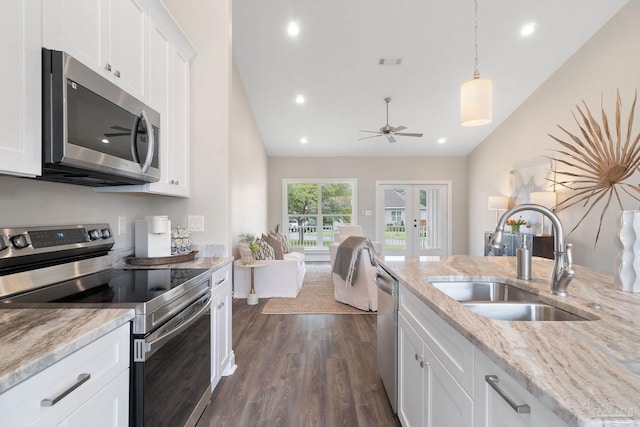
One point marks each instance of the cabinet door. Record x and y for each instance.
(179, 128)
(413, 377)
(77, 27)
(126, 43)
(492, 410)
(108, 408)
(20, 86)
(450, 405)
(223, 330)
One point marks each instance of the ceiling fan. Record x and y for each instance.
(389, 131)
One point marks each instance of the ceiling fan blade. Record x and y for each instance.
(408, 134)
(391, 138)
(371, 131)
(120, 128)
(367, 137)
(117, 134)
(396, 129)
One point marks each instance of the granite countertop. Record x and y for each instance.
(31, 340)
(585, 372)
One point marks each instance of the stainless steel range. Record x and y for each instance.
(69, 266)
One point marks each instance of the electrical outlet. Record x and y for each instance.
(195, 222)
(122, 225)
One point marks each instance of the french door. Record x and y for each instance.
(412, 219)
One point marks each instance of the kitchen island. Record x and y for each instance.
(585, 372)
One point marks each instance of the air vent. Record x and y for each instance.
(390, 61)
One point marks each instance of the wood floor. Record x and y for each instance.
(301, 371)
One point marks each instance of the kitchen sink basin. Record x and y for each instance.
(468, 291)
(520, 311)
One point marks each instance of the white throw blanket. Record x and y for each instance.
(348, 257)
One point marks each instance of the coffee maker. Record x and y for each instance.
(153, 237)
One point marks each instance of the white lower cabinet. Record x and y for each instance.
(222, 357)
(88, 387)
(443, 380)
(428, 393)
(509, 404)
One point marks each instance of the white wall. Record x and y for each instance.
(368, 170)
(248, 167)
(610, 60)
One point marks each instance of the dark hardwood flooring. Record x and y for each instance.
(301, 371)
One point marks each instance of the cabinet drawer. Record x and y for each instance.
(103, 359)
(453, 350)
(220, 277)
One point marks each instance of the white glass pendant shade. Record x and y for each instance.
(498, 203)
(476, 102)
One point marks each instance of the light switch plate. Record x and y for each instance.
(195, 222)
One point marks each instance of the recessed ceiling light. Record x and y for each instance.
(303, 140)
(527, 29)
(104, 141)
(300, 99)
(293, 29)
(442, 140)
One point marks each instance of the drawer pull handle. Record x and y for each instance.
(219, 281)
(493, 382)
(220, 306)
(82, 378)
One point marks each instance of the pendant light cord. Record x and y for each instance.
(476, 73)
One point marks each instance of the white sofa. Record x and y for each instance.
(279, 278)
(363, 292)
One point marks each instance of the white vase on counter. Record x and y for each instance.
(626, 267)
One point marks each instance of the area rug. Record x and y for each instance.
(315, 297)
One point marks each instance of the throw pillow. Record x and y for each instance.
(275, 243)
(285, 244)
(265, 251)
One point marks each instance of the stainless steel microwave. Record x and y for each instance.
(94, 133)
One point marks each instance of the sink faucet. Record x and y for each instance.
(563, 270)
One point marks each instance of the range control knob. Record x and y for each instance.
(95, 234)
(106, 233)
(19, 241)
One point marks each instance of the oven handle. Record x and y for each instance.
(143, 350)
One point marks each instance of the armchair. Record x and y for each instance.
(362, 293)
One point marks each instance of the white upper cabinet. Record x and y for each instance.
(20, 86)
(106, 35)
(169, 54)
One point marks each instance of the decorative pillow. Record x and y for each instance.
(275, 243)
(285, 244)
(265, 251)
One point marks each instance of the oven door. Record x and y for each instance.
(171, 370)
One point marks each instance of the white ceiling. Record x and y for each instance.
(334, 64)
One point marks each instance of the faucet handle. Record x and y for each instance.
(568, 254)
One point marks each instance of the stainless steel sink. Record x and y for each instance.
(467, 291)
(501, 301)
(522, 312)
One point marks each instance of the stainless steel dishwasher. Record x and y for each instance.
(388, 333)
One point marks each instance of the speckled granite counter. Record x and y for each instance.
(585, 372)
(31, 340)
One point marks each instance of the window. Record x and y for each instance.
(314, 207)
(396, 216)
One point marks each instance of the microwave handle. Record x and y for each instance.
(150, 141)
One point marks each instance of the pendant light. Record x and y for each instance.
(476, 95)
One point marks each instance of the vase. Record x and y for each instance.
(515, 229)
(626, 267)
(246, 255)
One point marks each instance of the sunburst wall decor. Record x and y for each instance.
(599, 159)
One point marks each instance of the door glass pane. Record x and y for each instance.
(394, 219)
(430, 218)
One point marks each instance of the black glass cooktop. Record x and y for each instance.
(113, 286)
(135, 285)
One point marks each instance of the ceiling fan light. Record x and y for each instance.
(476, 102)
